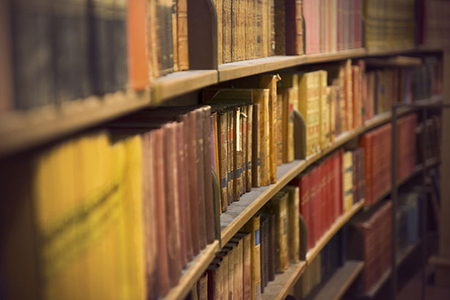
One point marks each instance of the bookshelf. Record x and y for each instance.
(335, 287)
(283, 283)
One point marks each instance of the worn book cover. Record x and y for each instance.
(293, 223)
(249, 143)
(182, 31)
(253, 226)
(278, 206)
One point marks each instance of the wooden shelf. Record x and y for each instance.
(240, 212)
(335, 287)
(180, 83)
(22, 130)
(192, 272)
(341, 221)
(280, 287)
(334, 56)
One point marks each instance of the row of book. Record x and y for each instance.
(323, 266)
(55, 51)
(370, 241)
(265, 246)
(408, 218)
(328, 190)
(127, 207)
(389, 24)
(252, 134)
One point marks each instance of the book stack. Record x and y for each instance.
(252, 133)
(59, 51)
(385, 27)
(370, 241)
(135, 204)
(407, 218)
(322, 196)
(323, 266)
(249, 261)
(433, 127)
(332, 25)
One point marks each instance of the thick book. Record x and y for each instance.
(182, 35)
(249, 29)
(226, 32)
(238, 248)
(249, 152)
(324, 121)
(282, 32)
(256, 146)
(293, 211)
(165, 49)
(215, 281)
(199, 165)
(278, 206)
(202, 287)
(247, 264)
(347, 181)
(209, 205)
(225, 276)
(280, 126)
(253, 226)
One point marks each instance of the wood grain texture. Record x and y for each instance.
(280, 287)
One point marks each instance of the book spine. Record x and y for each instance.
(202, 287)
(253, 226)
(256, 145)
(241, 29)
(164, 15)
(215, 281)
(192, 157)
(249, 30)
(200, 178)
(172, 209)
(272, 27)
(185, 185)
(237, 180)
(280, 128)
(227, 31)
(174, 35)
(120, 56)
(258, 9)
(223, 149)
(281, 30)
(209, 205)
(181, 194)
(182, 23)
(232, 153)
(263, 252)
(293, 223)
(234, 30)
(249, 147)
(244, 132)
(225, 276)
(299, 24)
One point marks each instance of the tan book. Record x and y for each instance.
(265, 40)
(278, 206)
(225, 276)
(256, 146)
(226, 31)
(249, 32)
(249, 144)
(175, 35)
(258, 28)
(242, 21)
(236, 245)
(237, 154)
(247, 264)
(280, 128)
(219, 4)
(324, 111)
(270, 82)
(230, 249)
(235, 30)
(202, 287)
(347, 174)
(223, 161)
(293, 223)
(183, 46)
(348, 90)
(309, 99)
(332, 112)
(244, 114)
(253, 226)
(261, 96)
(287, 112)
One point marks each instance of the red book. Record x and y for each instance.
(315, 204)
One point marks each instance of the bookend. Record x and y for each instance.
(299, 136)
(202, 32)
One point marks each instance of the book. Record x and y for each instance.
(209, 205)
(165, 29)
(278, 206)
(182, 34)
(253, 226)
(293, 210)
(215, 281)
(347, 181)
(202, 287)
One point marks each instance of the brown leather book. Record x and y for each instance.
(249, 30)
(244, 112)
(278, 206)
(172, 209)
(161, 236)
(175, 34)
(237, 156)
(220, 29)
(200, 179)
(202, 287)
(293, 210)
(183, 46)
(280, 128)
(280, 29)
(214, 281)
(241, 22)
(225, 276)
(230, 249)
(222, 121)
(235, 30)
(238, 266)
(209, 205)
(271, 250)
(264, 255)
(247, 261)
(258, 28)
(249, 144)
(230, 151)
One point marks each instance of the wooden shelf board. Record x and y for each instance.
(280, 287)
(340, 55)
(250, 67)
(240, 212)
(335, 287)
(22, 130)
(341, 221)
(391, 51)
(192, 272)
(180, 83)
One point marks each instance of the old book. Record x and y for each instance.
(287, 112)
(265, 35)
(242, 19)
(174, 34)
(199, 133)
(261, 96)
(215, 281)
(6, 74)
(247, 264)
(235, 30)
(324, 111)
(237, 156)
(249, 30)
(231, 154)
(182, 28)
(293, 223)
(237, 246)
(193, 295)
(270, 82)
(164, 15)
(172, 209)
(347, 181)
(278, 206)
(271, 50)
(263, 254)
(332, 113)
(223, 152)
(258, 28)
(271, 252)
(282, 32)
(226, 32)
(294, 27)
(209, 205)
(280, 128)
(120, 53)
(225, 269)
(249, 143)
(232, 257)
(256, 146)
(253, 226)
(244, 131)
(348, 90)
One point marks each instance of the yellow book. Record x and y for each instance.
(324, 111)
(349, 94)
(281, 148)
(308, 104)
(270, 82)
(332, 112)
(348, 181)
(253, 226)
(261, 96)
(293, 219)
